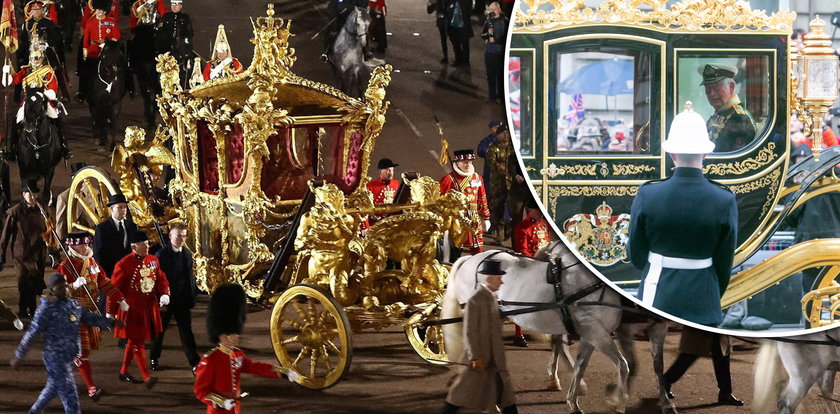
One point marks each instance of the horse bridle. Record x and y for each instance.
(28, 132)
(108, 85)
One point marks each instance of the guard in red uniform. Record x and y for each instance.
(47, 6)
(97, 30)
(88, 12)
(146, 12)
(222, 63)
(88, 274)
(217, 378)
(384, 188)
(139, 278)
(533, 233)
(464, 179)
(529, 236)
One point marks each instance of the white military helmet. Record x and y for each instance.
(688, 134)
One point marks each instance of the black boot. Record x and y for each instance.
(65, 148)
(724, 380)
(677, 370)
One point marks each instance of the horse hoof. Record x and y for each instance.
(582, 388)
(553, 385)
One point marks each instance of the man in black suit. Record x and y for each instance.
(177, 262)
(110, 240)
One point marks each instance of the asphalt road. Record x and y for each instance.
(386, 376)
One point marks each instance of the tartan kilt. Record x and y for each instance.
(90, 337)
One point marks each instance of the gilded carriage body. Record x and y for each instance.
(269, 175)
(594, 90)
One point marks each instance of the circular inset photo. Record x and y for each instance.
(688, 157)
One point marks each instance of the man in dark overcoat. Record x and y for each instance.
(22, 230)
(484, 381)
(110, 240)
(683, 230)
(176, 261)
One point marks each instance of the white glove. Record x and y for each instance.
(229, 404)
(292, 375)
(50, 94)
(164, 300)
(124, 305)
(7, 69)
(81, 281)
(486, 225)
(109, 316)
(18, 324)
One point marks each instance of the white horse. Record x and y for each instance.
(529, 283)
(805, 363)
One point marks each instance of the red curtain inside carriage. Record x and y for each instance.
(208, 160)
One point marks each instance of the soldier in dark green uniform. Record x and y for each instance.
(732, 126)
(683, 231)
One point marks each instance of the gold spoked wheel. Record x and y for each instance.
(87, 204)
(311, 335)
(427, 341)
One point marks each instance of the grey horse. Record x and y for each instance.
(347, 53)
(805, 364)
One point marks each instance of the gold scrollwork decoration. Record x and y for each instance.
(631, 169)
(693, 15)
(765, 156)
(770, 181)
(555, 192)
(578, 169)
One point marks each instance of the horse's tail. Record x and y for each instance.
(453, 333)
(765, 392)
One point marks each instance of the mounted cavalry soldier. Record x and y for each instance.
(85, 279)
(222, 63)
(146, 12)
(464, 179)
(683, 230)
(175, 36)
(96, 32)
(38, 74)
(36, 25)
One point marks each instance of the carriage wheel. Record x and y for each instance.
(427, 341)
(87, 204)
(311, 335)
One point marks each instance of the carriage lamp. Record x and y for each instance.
(816, 72)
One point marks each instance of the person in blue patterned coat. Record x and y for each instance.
(57, 320)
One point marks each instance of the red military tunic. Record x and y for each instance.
(232, 68)
(96, 281)
(477, 210)
(383, 193)
(43, 77)
(531, 235)
(132, 22)
(217, 376)
(143, 283)
(96, 32)
(88, 12)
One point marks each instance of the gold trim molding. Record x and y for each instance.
(765, 156)
(630, 169)
(687, 15)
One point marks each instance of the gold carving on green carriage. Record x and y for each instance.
(765, 156)
(601, 237)
(631, 169)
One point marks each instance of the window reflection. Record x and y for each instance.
(731, 92)
(520, 75)
(602, 102)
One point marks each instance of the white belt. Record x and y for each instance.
(657, 262)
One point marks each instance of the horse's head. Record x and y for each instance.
(35, 105)
(358, 22)
(112, 53)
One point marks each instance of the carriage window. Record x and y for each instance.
(235, 154)
(521, 94)
(601, 102)
(732, 92)
(208, 160)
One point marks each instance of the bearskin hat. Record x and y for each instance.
(226, 311)
(102, 5)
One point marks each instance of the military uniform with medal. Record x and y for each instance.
(139, 278)
(732, 126)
